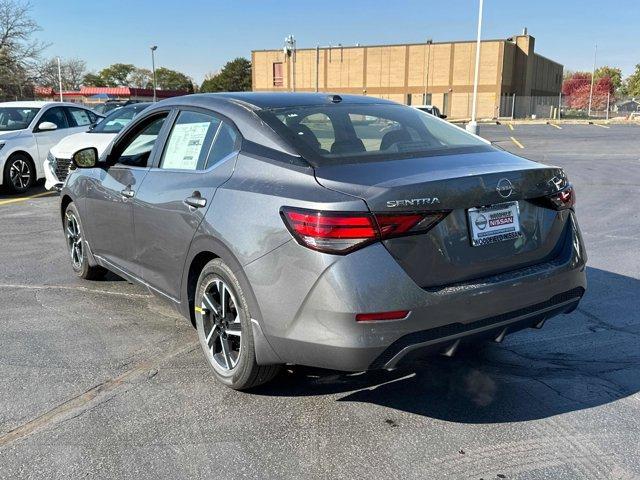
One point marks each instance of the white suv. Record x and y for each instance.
(28, 130)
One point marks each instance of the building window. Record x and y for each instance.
(426, 99)
(277, 74)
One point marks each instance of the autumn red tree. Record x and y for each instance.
(577, 87)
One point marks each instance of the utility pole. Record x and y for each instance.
(60, 79)
(472, 126)
(153, 69)
(593, 76)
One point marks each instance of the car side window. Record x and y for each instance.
(190, 140)
(57, 116)
(224, 144)
(137, 149)
(79, 117)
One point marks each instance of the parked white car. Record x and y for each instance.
(28, 130)
(56, 166)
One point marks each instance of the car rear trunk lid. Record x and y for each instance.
(455, 183)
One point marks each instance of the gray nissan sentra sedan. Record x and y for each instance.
(335, 231)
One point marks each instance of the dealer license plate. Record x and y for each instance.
(495, 223)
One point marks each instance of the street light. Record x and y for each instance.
(472, 126)
(290, 51)
(426, 69)
(153, 69)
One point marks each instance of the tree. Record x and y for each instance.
(577, 91)
(235, 76)
(615, 74)
(167, 79)
(72, 72)
(141, 78)
(19, 53)
(93, 80)
(117, 75)
(632, 83)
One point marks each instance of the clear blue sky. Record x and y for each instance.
(198, 36)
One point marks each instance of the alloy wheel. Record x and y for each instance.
(221, 325)
(74, 239)
(20, 174)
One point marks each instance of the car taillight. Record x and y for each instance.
(343, 232)
(565, 198)
(380, 316)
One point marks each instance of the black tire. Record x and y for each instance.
(19, 173)
(77, 246)
(245, 373)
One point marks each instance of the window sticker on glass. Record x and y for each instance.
(184, 146)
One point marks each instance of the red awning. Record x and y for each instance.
(123, 91)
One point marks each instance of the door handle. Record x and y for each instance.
(195, 200)
(127, 193)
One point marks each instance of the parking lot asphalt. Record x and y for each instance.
(101, 379)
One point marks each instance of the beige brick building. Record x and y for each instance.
(415, 74)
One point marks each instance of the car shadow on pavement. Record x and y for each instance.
(578, 361)
(37, 189)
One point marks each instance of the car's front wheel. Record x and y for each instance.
(76, 246)
(19, 174)
(224, 329)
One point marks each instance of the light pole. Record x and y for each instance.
(472, 126)
(290, 51)
(60, 79)
(593, 76)
(153, 69)
(426, 70)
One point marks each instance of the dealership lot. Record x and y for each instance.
(102, 379)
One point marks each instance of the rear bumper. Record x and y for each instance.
(446, 340)
(320, 330)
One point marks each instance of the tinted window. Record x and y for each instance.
(56, 115)
(224, 144)
(137, 149)
(80, 117)
(16, 118)
(356, 132)
(189, 142)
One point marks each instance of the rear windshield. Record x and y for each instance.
(346, 133)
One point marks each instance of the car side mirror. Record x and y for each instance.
(443, 116)
(85, 158)
(47, 126)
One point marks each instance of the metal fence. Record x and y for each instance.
(565, 106)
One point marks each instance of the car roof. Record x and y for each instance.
(38, 104)
(269, 100)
